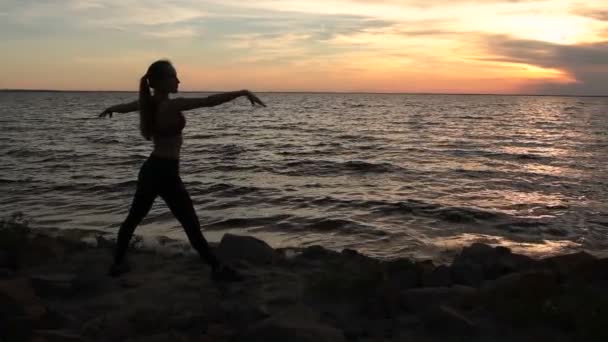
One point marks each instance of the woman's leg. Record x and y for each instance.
(142, 202)
(178, 200)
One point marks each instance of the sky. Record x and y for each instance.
(413, 46)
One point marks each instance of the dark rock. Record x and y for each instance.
(568, 263)
(41, 248)
(529, 283)
(317, 252)
(447, 320)
(297, 325)
(469, 274)
(403, 272)
(479, 262)
(161, 337)
(423, 299)
(521, 298)
(56, 336)
(18, 298)
(439, 276)
(58, 284)
(242, 314)
(235, 247)
(6, 273)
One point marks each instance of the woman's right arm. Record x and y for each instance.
(120, 108)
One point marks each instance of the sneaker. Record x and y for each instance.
(226, 273)
(118, 269)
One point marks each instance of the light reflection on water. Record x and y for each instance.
(391, 175)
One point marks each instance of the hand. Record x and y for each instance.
(254, 99)
(105, 113)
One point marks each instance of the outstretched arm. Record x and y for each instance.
(214, 100)
(120, 108)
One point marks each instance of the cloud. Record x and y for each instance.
(587, 64)
(597, 14)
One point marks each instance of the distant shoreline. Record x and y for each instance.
(292, 92)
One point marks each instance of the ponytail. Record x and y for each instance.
(146, 109)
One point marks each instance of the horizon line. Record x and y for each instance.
(297, 92)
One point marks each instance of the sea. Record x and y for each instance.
(390, 175)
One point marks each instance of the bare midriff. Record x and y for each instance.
(167, 147)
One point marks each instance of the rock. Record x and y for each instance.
(447, 320)
(468, 274)
(41, 248)
(54, 284)
(21, 310)
(242, 314)
(439, 276)
(6, 273)
(479, 261)
(529, 283)
(568, 263)
(521, 297)
(403, 272)
(297, 325)
(161, 337)
(55, 336)
(236, 247)
(423, 299)
(17, 297)
(317, 252)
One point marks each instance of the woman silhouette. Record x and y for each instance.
(162, 121)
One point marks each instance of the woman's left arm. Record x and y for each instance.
(182, 103)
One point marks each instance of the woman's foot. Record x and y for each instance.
(117, 269)
(225, 273)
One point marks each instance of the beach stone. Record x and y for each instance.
(55, 284)
(423, 299)
(447, 320)
(468, 274)
(487, 262)
(568, 263)
(438, 277)
(403, 272)
(236, 247)
(6, 273)
(55, 336)
(297, 324)
(317, 252)
(41, 248)
(18, 297)
(161, 337)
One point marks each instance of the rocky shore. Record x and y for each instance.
(54, 288)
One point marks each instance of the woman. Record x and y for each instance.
(162, 121)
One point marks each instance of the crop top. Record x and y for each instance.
(171, 130)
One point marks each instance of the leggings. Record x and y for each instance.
(160, 176)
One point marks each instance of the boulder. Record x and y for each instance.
(318, 252)
(439, 276)
(54, 284)
(447, 320)
(479, 262)
(568, 263)
(423, 299)
(236, 247)
(403, 272)
(17, 297)
(468, 274)
(20, 309)
(56, 336)
(297, 325)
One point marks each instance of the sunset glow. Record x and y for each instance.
(462, 46)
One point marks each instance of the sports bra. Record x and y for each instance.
(171, 130)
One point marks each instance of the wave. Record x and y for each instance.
(333, 168)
